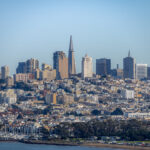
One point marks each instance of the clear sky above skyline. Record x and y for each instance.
(100, 28)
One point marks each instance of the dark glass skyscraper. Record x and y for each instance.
(103, 66)
(129, 67)
(71, 60)
(148, 73)
(21, 67)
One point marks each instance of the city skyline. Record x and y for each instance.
(75, 73)
(40, 65)
(102, 29)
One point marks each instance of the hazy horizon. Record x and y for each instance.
(100, 28)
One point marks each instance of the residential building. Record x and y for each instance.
(9, 81)
(9, 96)
(48, 75)
(32, 65)
(127, 94)
(23, 77)
(51, 98)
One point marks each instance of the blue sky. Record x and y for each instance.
(100, 28)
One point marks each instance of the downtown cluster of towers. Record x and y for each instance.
(64, 67)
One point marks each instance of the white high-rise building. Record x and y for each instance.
(141, 71)
(4, 72)
(87, 67)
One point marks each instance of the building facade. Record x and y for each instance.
(9, 96)
(48, 75)
(21, 67)
(60, 63)
(129, 67)
(32, 65)
(4, 72)
(148, 73)
(28, 67)
(87, 67)
(51, 98)
(103, 66)
(127, 94)
(141, 71)
(23, 77)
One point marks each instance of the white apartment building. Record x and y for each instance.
(9, 96)
(127, 94)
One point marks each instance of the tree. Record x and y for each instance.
(95, 112)
(117, 111)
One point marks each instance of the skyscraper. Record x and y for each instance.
(4, 72)
(32, 65)
(60, 63)
(87, 67)
(141, 71)
(148, 73)
(129, 67)
(103, 66)
(71, 60)
(21, 67)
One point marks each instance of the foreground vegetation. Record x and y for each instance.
(131, 130)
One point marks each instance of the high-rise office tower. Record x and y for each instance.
(32, 65)
(148, 73)
(103, 66)
(129, 67)
(4, 72)
(141, 71)
(87, 67)
(71, 59)
(21, 67)
(60, 63)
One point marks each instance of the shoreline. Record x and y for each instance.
(85, 144)
(116, 146)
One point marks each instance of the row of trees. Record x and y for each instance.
(132, 130)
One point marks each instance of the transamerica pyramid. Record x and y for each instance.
(71, 59)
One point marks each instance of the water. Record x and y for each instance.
(21, 146)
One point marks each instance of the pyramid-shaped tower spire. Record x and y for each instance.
(71, 44)
(129, 55)
(71, 59)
